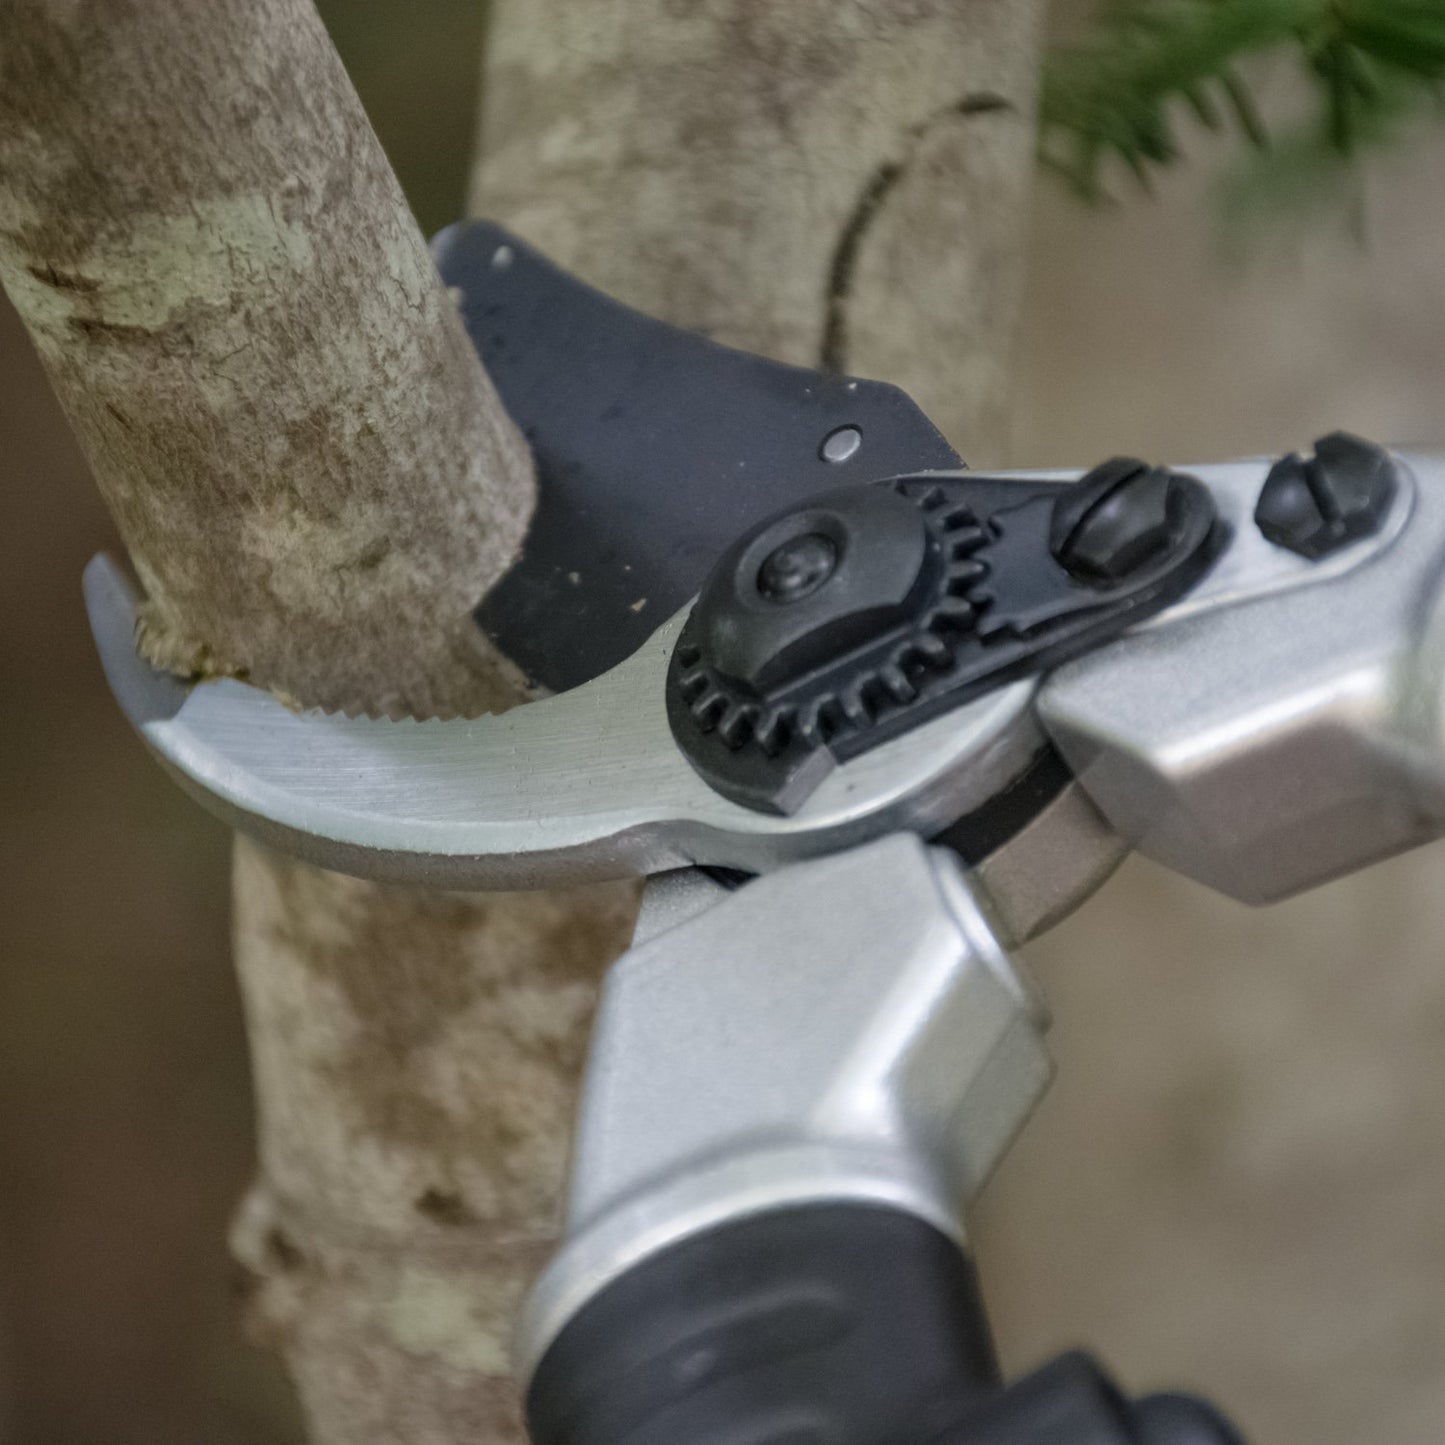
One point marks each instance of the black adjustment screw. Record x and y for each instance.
(1317, 505)
(797, 568)
(1116, 519)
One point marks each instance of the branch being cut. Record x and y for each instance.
(316, 484)
(201, 233)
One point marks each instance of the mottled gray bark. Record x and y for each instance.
(221, 276)
(415, 1059)
(829, 180)
(316, 484)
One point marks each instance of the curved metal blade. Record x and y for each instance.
(585, 785)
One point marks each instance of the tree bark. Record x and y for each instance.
(310, 470)
(829, 182)
(316, 484)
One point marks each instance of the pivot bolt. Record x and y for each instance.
(805, 587)
(797, 568)
(1116, 519)
(841, 444)
(1317, 505)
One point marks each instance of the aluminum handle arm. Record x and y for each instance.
(1282, 725)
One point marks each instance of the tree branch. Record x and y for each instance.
(219, 271)
(316, 483)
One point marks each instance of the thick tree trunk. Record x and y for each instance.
(831, 182)
(828, 180)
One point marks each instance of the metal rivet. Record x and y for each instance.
(1117, 519)
(1314, 507)
(798, 568)
(840, 444)
(502, 257)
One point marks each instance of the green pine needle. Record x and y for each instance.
(1116, 99)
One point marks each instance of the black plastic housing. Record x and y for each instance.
(839, 1323)
(765, 700)
(831, 1324)
(654, 447)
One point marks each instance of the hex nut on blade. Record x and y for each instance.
(1317, 505)
(1115, 519)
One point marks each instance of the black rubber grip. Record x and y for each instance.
(836, 1324)
(1071, 1401)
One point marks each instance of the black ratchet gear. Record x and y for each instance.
(862, 612)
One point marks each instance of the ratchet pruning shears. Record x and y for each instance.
(866, 719)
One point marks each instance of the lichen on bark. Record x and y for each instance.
(218, 269)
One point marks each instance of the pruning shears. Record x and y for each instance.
(865, 719)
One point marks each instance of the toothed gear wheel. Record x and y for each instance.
(867, 610)
(733, 711)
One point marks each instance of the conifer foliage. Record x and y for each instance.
(1118, 96)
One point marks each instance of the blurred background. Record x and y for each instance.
(1239, 1179)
